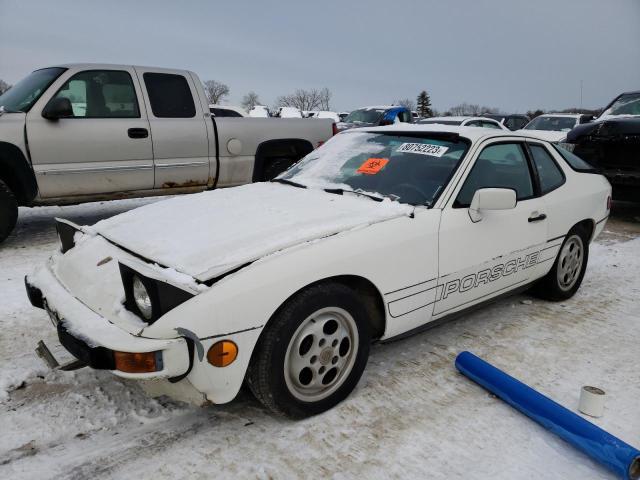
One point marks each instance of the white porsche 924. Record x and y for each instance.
(285, 284)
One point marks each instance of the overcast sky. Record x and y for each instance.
(512, 54)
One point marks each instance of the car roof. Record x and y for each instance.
(472, 133)
(379, 107)
(455, 119)
(567, 115)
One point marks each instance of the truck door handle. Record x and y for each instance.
(138, 133)
(540, 217)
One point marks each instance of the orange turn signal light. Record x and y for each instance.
(137, 362)
(222, 353)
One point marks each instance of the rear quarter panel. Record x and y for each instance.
(238, 169)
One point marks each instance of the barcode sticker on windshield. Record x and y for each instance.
(423, 149)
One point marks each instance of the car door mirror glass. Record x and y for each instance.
(491, 199)
(59, 107)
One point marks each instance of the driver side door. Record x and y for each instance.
(479, 260)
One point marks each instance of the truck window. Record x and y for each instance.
(169, 95)
(101, 94)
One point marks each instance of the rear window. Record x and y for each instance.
(223, 112)
(169, 95)
(574, 161)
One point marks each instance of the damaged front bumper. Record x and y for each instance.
(100, 344)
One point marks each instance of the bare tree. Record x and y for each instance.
(325, 99)
(407, 103)
(306, 99)
(250, 100)
(215, 91)
(471, 109)
(4, 86)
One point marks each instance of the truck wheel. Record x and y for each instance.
(8, 211)
(565, 277)
(313, 352)
(274, 167)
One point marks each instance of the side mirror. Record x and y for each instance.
(59, 107)
(491, 199)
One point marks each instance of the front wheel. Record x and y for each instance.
(8, 211)
(565, 277)
(312, 353)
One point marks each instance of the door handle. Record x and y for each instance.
(138, 133)
(538, 218)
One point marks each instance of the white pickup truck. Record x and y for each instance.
(85, 132)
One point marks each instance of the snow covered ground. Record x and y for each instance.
(412, 415)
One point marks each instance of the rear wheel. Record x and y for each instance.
(275, 166)
(312, 353)
(8, 211)
(565, 277)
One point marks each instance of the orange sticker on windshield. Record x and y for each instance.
(373, 166)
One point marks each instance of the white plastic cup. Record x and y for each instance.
(591, 401)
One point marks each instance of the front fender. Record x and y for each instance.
(239, 306)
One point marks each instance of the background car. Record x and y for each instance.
(327, 114)
(289, 112)
(513, 121)
(376, 116)
(555, 126)
(464, 122)
(227, 111)
(343, 115)
(259, 111)
(612, 143)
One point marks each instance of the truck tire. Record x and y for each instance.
(8, 211)
(275, 166)
(565, 277)
(312, 353)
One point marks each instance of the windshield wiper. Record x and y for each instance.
(288, 182)
(341, 191)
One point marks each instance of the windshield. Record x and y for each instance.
(366, 115)
(22, 96)
(558, 124)
(405, 167)
(628, 104)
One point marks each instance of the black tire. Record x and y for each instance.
(274, 167)
(266, 373)
(550, 286)
(8, 211)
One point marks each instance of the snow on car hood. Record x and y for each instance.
(207, 234)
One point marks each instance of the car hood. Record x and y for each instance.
(548, 135)
(208, 234)
(612, 128)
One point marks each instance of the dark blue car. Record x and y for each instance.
(376, 116)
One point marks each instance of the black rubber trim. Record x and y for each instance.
(99, 358)
(190, 347)
(34, 294)
(231, 333)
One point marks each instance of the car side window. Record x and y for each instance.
(101, 94)
(503, 165)
(488, 124)
(169, 95)
(549, 173)
(473, 123)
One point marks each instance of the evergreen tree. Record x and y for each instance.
(424, 105)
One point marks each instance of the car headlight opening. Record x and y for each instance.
(142, 298)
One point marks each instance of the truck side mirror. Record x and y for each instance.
(59, 107)
(491, 199)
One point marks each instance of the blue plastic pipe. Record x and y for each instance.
(603, 447)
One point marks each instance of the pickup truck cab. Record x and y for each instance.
(85, 132)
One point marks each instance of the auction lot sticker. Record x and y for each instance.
(423, 149)
(372, 166)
